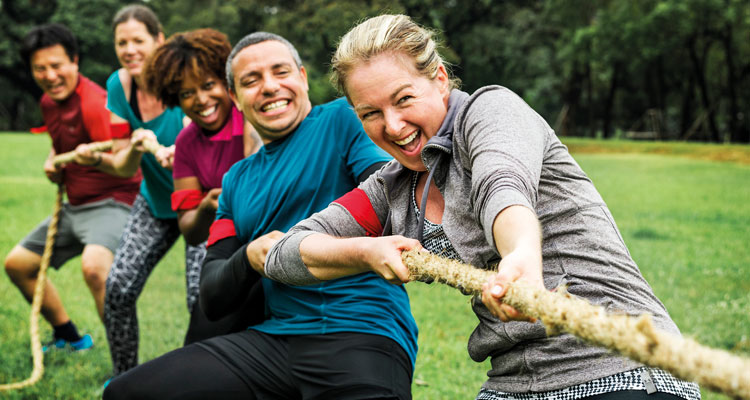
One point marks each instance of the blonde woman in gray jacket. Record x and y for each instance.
(481, 178)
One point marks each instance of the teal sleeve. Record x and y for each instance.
(116, 101)
(224, 211)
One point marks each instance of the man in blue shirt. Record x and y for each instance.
(351, 338)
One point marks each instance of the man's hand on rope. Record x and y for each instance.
(53, 172)
(85, 156)
(258, 249)
(513, 267)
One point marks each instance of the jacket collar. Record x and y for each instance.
(442, 142)
(443, 139)
(444, 135)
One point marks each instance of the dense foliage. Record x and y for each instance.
(666, 69)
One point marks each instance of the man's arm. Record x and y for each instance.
(225, 276)
(228, 274)
(370, 170)
(53, 172)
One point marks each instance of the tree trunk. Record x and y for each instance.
(591, 119)
(700, 78)
(572, 98)
(610, 101)
(735, 133)
(686, 114)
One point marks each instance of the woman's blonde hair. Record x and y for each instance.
(387, 33)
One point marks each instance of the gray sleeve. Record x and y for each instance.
(284, 261)
(504, 142)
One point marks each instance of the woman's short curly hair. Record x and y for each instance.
(195, 54)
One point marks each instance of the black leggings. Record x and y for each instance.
(255, 365)
(187, 373)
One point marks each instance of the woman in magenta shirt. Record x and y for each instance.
(188, 71)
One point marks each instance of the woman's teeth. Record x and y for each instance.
(407, 139)
(207, 112)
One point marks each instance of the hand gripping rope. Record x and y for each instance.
(633, 337)
(71, 155)
(36, 304)
(151, 146)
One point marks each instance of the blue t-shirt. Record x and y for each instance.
(285, 182)
(157, 185)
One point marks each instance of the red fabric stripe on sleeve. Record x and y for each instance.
(39, 129)
(220, 229)
(359, 206)
(121, 130)
(186, 199)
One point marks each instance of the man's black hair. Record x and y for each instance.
(48, 35)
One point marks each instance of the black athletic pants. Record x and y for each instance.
(255, 365)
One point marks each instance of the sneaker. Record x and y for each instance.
(84, 343)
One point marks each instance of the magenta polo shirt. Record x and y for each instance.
(208, 158)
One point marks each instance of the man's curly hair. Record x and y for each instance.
(194, 54)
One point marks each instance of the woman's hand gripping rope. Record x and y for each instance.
(633, 337)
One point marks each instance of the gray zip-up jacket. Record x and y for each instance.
(493, 151)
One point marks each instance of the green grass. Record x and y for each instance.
(685, 221)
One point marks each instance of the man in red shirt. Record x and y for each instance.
(91, 222)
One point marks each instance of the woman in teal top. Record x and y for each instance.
(152, 226)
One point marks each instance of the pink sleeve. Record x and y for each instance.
(184, 157)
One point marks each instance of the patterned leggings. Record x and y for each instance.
(144, 242)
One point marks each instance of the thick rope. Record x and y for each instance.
(36, 303)
(71, 155)
(151, 146)
(633, 337)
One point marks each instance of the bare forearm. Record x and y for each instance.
(518, 239)
(328, 257)
(517, 228)
(105, 165)
(124, 162)
(195, 224)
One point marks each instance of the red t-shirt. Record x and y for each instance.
(84, 118)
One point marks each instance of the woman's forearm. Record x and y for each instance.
(124, 160)
(517, 229)
(327, 257)
(518, 239)
(195, 224)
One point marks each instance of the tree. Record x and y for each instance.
(680, 68)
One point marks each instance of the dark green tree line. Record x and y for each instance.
(662, 69)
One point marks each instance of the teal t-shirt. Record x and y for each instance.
(285, 182)
(157, 185)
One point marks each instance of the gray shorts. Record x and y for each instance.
(100, 222)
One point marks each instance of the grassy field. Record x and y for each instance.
(683, 216)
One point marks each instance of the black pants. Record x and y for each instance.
(255, 365)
